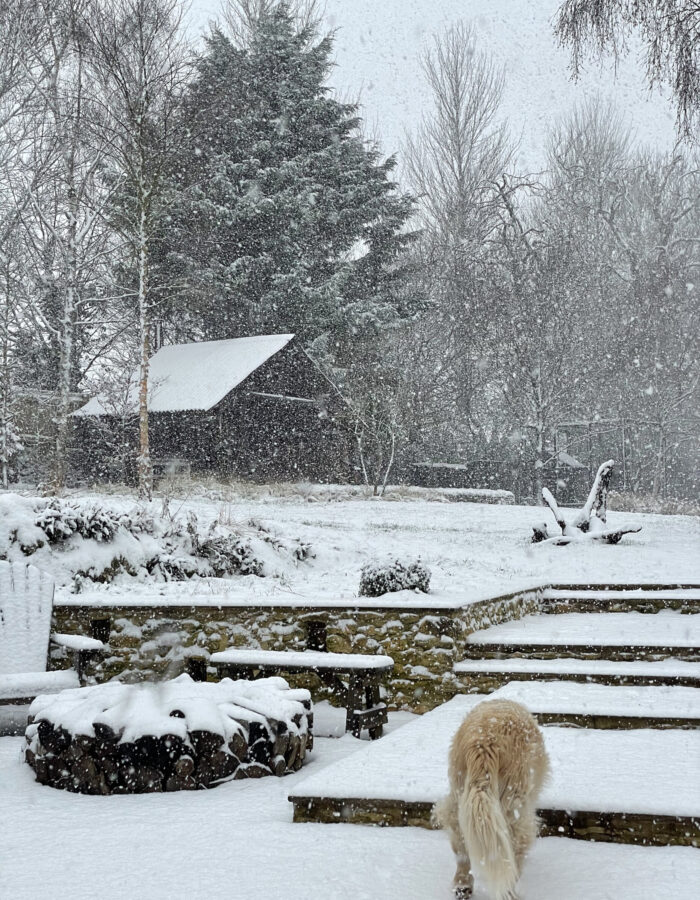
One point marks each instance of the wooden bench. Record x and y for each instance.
(26, 601)
(363, 672)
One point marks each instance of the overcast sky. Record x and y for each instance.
(377, 50)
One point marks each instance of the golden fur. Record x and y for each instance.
(497, 766)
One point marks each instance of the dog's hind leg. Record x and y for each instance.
(524, 830)
(446, 815)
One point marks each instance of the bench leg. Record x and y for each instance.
(355, 697)
(363, 696)
(373, 699)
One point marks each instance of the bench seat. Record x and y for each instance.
(303, 660)
(360, 698)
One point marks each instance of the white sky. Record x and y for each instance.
(377, 50)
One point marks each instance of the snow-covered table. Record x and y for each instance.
(637, 786)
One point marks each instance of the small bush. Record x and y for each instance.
(228, 554)
(398, 575)
(60, 520)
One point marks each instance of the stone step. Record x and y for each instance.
(630, 653)
(606, 706)
(614, 636)
(636, 787)
(647, 598)
(485, 675)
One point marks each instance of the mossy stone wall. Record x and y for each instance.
(156, 641)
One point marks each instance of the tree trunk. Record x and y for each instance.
(67, 335)
(5, 390)
(145, 469)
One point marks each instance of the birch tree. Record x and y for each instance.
(60, 200)
(669, 32)
(140, 58)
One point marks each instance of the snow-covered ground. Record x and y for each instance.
(473, 550)
(238, 841)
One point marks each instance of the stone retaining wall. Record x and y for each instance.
(158, 641)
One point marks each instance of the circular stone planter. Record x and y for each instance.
(171, 736)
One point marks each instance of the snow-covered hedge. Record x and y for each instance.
(176, 735)
(397, 575)
(83, 540)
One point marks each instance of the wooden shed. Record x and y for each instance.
(253, 407)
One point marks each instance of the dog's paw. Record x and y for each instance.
(463, 893)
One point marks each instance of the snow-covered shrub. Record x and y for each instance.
(57, 521)
(397, 575)
(297, 549)
(60, 520)
(93, 541)
(228, 554)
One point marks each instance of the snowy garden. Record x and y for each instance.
(349, 449)
(620, 814)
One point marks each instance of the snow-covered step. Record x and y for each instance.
(648, 598)
(630, 635)
(627, 786)
(607, 706)
(484, 675)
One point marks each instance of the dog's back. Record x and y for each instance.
(497, 765)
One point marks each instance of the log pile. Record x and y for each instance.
(174, 736)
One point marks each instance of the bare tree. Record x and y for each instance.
(659, 247)
(140, 57)
(542, 338)
(453, 162)
(60, 200)
(460, 148)
(670, 30)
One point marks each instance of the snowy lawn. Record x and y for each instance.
(238, 841)
(474, 550)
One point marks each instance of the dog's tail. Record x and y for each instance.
(486, 832)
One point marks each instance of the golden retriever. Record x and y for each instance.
(497, 765)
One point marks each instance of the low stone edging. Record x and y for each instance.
(621, 828)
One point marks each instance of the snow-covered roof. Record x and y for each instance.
(196, 376)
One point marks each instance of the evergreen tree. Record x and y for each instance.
(284, 219)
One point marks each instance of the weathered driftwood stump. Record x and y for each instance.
(590, 522)
(172, 736)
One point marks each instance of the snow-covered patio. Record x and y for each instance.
(640, 772)
(239, 841)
